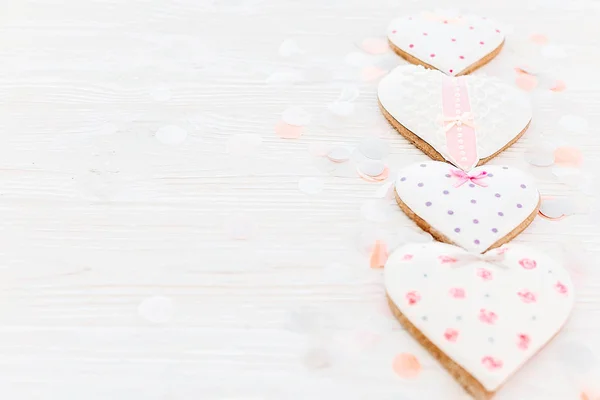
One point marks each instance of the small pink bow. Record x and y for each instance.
(465, 119)
(497, 258)
(464, 177)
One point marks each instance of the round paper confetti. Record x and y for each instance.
(311, 186)
(287, 131)
(375, 210)
(374, 45)
(378, 178)
(406, 366)
(552, 208)
(243, 144)
(574, 123)
(558, 86)
(318, 149)
(357, 59)
(540, 157)
(373, 148)
(171, 135)
(539, 38)
(567, 156)
(284, 77)
(341, 108)
(349, 93)
(385, 191)
(296, 116)
(372, 168)
(339, 154)
(526, 82)
(157, 309)
(369, 74)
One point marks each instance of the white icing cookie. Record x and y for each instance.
(439, 114)
(478, 210)
(453, 44)
(487, 317)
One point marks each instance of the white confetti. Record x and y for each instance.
(311, 186)
(349, 93)
(556, 208)
(296, 116)
(339, 154)
(171, 135)
(375, 210)
(385, 191)
(157, 309)
(284, 77)
(578, 356)
(373, 148)
(289, 48)
(553, 51)
(357, 59)
(318, 149)
(540, 157)
(243, 144)
(341, 108)
(372, 167)
(574, 123)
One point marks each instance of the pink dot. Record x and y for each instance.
(471, 28)
(424, 33)
(481, 43)
(394, 31)
(453, 39)
(461, 57)
(445, 22)
(432, 55)
(498, 30)
(450, 70)
(411, 45)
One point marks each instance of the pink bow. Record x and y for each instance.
(465, 119)
(464, 177)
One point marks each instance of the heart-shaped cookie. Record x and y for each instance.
(466, 120)
(453, 44)
(481, 316)
(479, 210)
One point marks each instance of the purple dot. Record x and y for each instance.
(494, 230)
(473, 201)
(519, 205)
(476, 241)
(448, 175)
(428, 204)
(471, 185)
(475, 221)
(456, 230)
(523, 186)
(450, 212)
(420, 184)
(497, 195)
(423, 165)
(446, 192)
(491, 175)
(402, 179)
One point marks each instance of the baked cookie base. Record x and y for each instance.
(442, 238)
(470, 384)
(428, 149)
(414, 60)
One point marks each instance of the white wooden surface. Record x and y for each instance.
(119, 278)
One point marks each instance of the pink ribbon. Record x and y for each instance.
(496, 258)
(465, 118)
(464, 177)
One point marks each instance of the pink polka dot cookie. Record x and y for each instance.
(453, 44)
(464, 120)
(476, 210)
(482, 316)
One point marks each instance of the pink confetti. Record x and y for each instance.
(567, 156)
(406, 366)
(287, 131)
(558, 86)
(379, 178)
(372, 73)
(379, 255)
(539, 38)
(526, 82)
(374, 45)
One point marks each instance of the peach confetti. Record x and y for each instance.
(567, 156)
(372, 73)
(406, 366)
(559, 86)
(379, 178)
(379, 254)
(526, 82)
(287, 131)
(539, 38)
(374, 45)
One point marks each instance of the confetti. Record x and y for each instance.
(374, 45)
(284, 77)
(171, 135)
(578, 356)
(406, 366)
(555, 209)
(574, 123)
(526, 82)
(379, 255)
(289, 48)
(527, 69)
(357, 59)
(567, 156)
(375, 210)
(339, 154)
(540, 157)
(239, 227)
(318, 149)
(385, 191)
(311, 186)
(539, 38)
(341, 108)
(157, 309)
(243, 144)
(296, 116)
(373, 148)
(349, 93)
(558, 86)
(553, 52)
(372, 169)
(286, 131)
